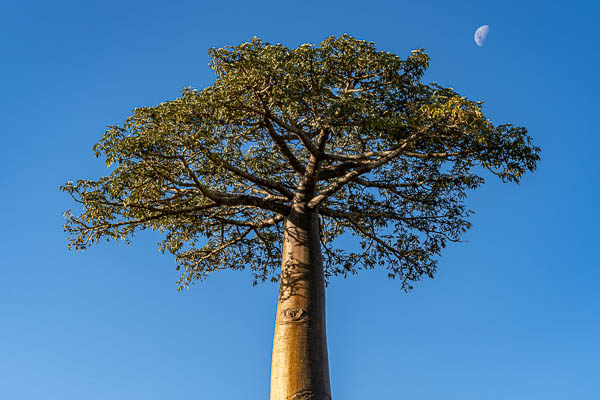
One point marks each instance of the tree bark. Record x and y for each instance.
(300, 367)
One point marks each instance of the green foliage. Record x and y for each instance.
(383, 155)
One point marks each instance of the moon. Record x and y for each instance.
(481, 34)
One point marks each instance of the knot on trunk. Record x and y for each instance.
(309, 395)
(294, 315)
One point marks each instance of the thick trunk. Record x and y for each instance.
(300, 368)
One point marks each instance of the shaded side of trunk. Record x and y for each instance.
(300, 367)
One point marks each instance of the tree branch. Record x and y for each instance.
(312, 169)
(334, 171)
(333, 213)
(88, 230)
(223, 246)
(374, 237)
(304, 138)
(364, 168)
(227, 199)
(255, 225)
(283, 147)
(265, 183)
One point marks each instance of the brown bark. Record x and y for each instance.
(300, 367)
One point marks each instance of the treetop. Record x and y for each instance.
(339, 128)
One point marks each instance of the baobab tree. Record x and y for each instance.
(288, 150)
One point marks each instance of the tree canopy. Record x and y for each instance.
(390, 158)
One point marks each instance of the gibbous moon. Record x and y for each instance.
(481, 34)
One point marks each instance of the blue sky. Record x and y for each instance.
(514, 313)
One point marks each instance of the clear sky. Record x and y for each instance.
(514, 313)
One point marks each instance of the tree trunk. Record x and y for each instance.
(300, 367)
